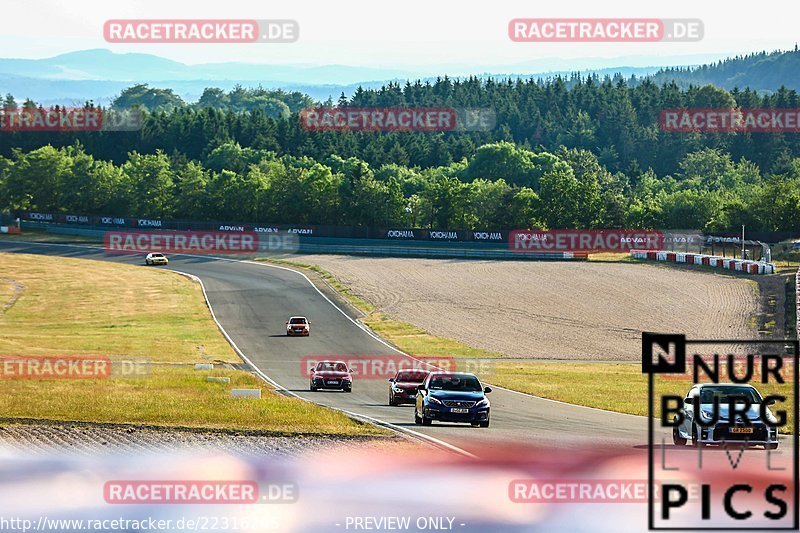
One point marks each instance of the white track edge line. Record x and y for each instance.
(280, 387)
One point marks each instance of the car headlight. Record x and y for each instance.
(483, 403)
(435, 400)
(398, 390)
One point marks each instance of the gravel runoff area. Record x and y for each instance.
(550, 310)
(86, 439)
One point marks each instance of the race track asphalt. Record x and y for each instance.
(253, 301)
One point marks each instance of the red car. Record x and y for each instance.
(331, 375)
(403, 386)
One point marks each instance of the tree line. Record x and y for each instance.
(501, 186)
(274, 103)
(577, 152)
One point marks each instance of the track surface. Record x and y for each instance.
(253, 301)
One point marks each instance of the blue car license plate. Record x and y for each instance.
(459, 410)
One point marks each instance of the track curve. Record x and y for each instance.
(251, 302)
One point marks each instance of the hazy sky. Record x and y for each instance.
(385, 33)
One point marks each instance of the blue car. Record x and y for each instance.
(452, 397)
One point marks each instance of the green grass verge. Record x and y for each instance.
(617, 387)
(611, 257)
(787, 267)
(74, 307)
(174, 396)
(79, 307)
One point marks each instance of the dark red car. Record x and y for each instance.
(331, 375)
(403, 386)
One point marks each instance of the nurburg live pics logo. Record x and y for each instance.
(763, 493)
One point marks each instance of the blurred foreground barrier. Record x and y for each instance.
(741, 265)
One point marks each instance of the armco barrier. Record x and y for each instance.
(386, 234)
(409, 249)
(414, 251)
(750, 267)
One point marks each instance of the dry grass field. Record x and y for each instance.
(549, 310)
(74, 307)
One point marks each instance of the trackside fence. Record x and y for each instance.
(714, 261)
(374, 248)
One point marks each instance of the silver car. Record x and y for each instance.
(719, 431)
(156, 258)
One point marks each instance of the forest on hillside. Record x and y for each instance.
(582, 152)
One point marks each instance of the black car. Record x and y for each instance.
(452, 397)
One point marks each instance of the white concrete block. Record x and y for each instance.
(246, 393)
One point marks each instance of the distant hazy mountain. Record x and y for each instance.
(93, 65)
(107, 66)
(760, 71)
(69, 92)
(100, 75)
